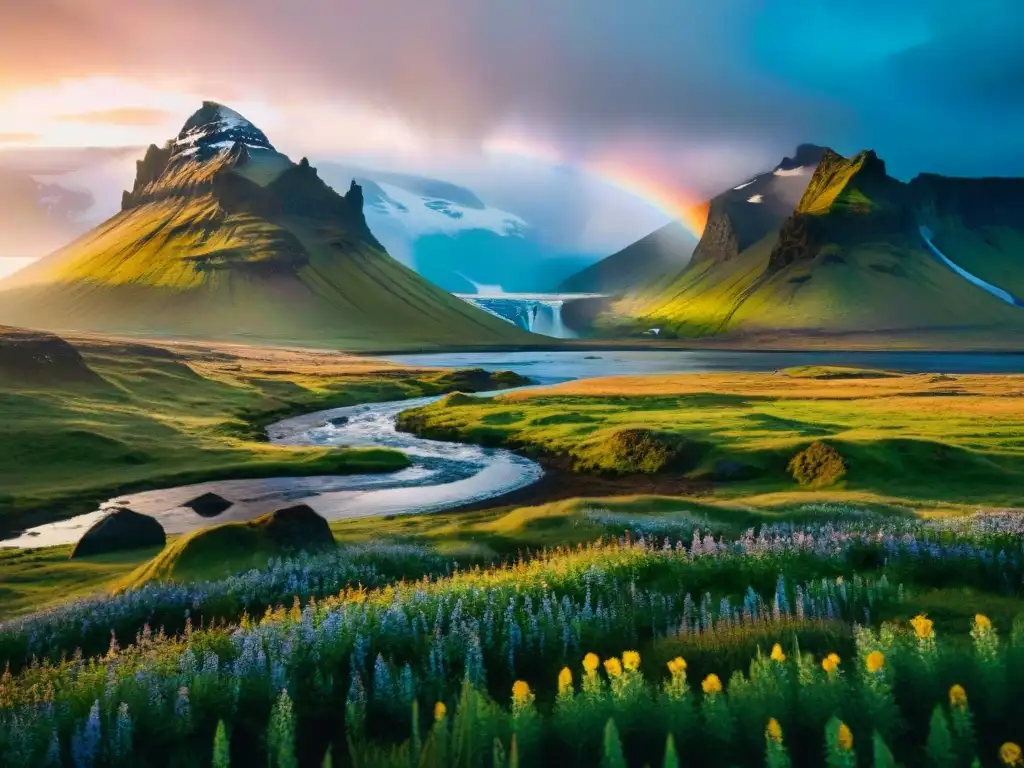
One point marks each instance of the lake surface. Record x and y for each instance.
(445, 475)
(551, 367)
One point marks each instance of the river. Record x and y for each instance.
(446, 475)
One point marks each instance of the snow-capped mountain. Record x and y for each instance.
(453, 238)
(216, 127)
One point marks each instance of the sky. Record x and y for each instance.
(673, 100)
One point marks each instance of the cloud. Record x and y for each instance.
(582, 76)
(121, 116)
(17, 137)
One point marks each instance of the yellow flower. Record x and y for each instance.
(957, 697)
(520, 691)
(830, 663)
(982, 622)
(613, 667)
(712, 685)
(922, 626)
(845, 737)
(631, 660)
(1010, 754)
(875, 661)
(440, 710)
(778, 655)
(565, 680)
(591, 662)
(774, 731)
(677, 666)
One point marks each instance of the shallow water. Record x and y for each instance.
(445, 475)
(550, 367)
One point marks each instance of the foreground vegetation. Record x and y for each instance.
(385, 654)
(148, 416)
(927, 441)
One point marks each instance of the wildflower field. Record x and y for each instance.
(823, 640)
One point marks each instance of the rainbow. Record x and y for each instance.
(675, 203)
(670, 200)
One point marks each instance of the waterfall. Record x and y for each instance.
(537, 313)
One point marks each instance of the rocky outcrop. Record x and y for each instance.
(807, 155)
(847, 201)
(208, 505)
(147, 171)
(719, 241)
(39, 358)
(973, 202)
(120, 529)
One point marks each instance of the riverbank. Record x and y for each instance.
(151, 416)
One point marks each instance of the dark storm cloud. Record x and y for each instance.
(906, 76)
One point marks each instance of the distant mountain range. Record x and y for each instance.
(450, 236)
(48, 197)
(223, 237)
(829, 247)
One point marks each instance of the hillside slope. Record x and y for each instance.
(850, 261)
(222, 237)
(664, 251)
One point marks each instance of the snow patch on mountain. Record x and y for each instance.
(425, 215)
(747, 184)
(755, 199)
(216, 127)
(800, 170)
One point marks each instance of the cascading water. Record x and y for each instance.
(539, 313)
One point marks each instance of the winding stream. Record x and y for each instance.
(445, 475)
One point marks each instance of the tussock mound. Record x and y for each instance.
(480, 380)
(455, 399)
(229, 548)
(648, 451)
(818, 465)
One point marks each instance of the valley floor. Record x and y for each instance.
(157, 415)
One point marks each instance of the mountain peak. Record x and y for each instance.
(214, 127)
(806, 155)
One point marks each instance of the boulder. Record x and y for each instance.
(119, 529)
(298, 527)
(338, 421)
(208, 505)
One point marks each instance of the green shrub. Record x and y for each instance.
(818, 465)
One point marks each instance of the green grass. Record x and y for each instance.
(209, 553)
(911, 439)
(34, 579)
(162, 419)
(991, 253)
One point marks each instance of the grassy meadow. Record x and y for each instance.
(930, 442)
(175, 414)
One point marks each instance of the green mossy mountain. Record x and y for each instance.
(849, 262)
(224, 238)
